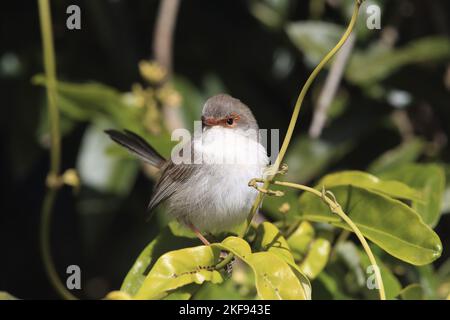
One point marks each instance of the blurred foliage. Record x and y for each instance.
(302, 251)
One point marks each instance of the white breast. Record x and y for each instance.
(219, 196)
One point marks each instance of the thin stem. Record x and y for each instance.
(296, 112)
(45, 246)
(336, 208)
(222, 264)
(55, 148)
(50, 74)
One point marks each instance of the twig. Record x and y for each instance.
(330, 87)
(162, 52)
(163, 36)
(330, 200)
(296, 112)
(55, 149)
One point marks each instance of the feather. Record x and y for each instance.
(137, 146)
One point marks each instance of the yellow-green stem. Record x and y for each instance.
(296, 112)
(47, 208)
(55, 148)
(338, 210)
(50, 74)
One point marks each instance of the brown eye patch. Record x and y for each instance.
(230, 121)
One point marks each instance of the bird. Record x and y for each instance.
(208, 193)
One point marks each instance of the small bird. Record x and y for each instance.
(211, 195)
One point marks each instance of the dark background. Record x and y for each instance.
(221, 38)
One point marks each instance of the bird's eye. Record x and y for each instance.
(230, 121)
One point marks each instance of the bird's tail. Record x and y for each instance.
(137, 146)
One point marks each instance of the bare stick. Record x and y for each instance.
(329, 89)
(163, 36)
(162, 51)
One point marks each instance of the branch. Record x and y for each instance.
(331, 201)
(162, 52)
(53, 177)
(163, 36)
(329, 89)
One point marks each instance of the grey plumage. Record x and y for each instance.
(211, 196)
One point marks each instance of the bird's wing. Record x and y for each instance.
(172, 176)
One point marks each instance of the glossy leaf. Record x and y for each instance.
(274, 278)
(389, 223)
(317, 258)
(300, 240)
(430, 180)
(269, 238)
(367, 181)
(179, 268)
(166, 241)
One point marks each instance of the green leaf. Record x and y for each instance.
(269, 238)
(389, 223)
(300, 240)
(94, 101)
(394, 189)
(378, 62)
(405, 153)
(427, 178)
(179, 268)
(274, 278)
(317, 258)
(412, 292)
(166, 241)
(314, 38)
